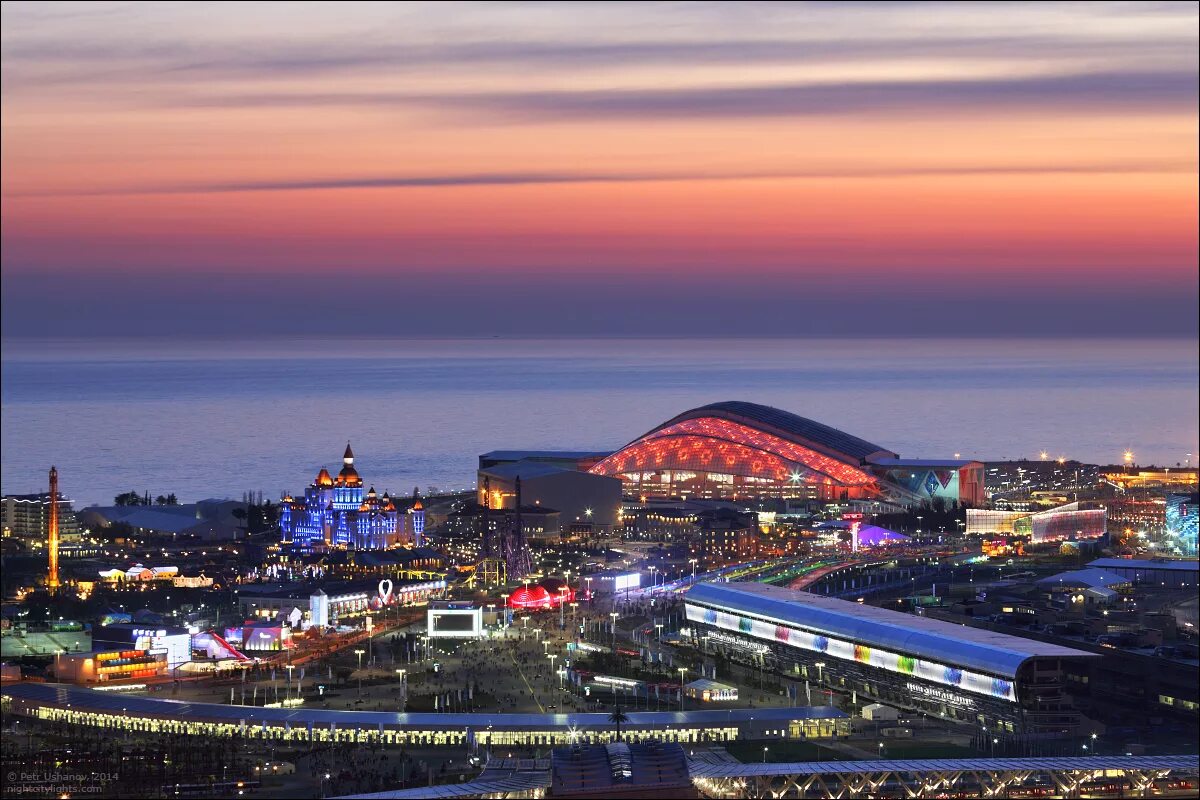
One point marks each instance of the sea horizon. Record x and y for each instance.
(223, 415)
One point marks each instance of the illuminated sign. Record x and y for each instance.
(733, 641)
(931, 671)
(608, 680)
(940, 695)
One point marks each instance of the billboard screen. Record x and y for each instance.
(455, 623)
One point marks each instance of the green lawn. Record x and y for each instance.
(752, 752)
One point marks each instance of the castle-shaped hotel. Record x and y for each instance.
(336, 513)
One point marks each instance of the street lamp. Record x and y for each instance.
(614, 616)
(765, 748)
(682, 672)
(692, 561)
(358, 651)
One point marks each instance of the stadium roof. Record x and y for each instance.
(959, 645)
(80, 699)
(546, 455)
(925, 463)
(1180, 565)
(750, 440)
(790, 423)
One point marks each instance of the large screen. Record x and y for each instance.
(455, 623)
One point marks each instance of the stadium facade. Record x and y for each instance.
(1009, 685)
(737, 450)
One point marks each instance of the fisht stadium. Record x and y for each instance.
(736, 449)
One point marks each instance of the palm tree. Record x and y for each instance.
(616, 718)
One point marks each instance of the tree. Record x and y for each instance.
(616, 718)
(128, 499)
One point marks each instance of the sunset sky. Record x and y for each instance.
(806, 168)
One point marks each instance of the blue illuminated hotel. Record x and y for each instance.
(335, 512)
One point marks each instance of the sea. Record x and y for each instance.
(222, 417)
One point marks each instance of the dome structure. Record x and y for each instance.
(530, 597)
(348, 476)
(736, 448)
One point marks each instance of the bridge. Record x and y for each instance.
(1084, 776)
(1073, 777)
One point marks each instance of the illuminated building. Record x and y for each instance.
(335, 512)
(27, 517)
(1069, 522)
(1153, 479)
(581, 499)
(174, 643)
(1006, 684)
(735, 449)
(1181, 523)
(336, 601)
(418, 521)
(726, 537)
(110, 665)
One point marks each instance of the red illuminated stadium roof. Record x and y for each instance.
(748, 440)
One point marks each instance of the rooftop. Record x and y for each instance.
(925, 463)
(618, 767)
(1180, 565)
(984, 650)
(787, 422)
(1092, 578)
(526, 470)
(563, 455)
(80, 698)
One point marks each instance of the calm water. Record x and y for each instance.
(219, 418)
